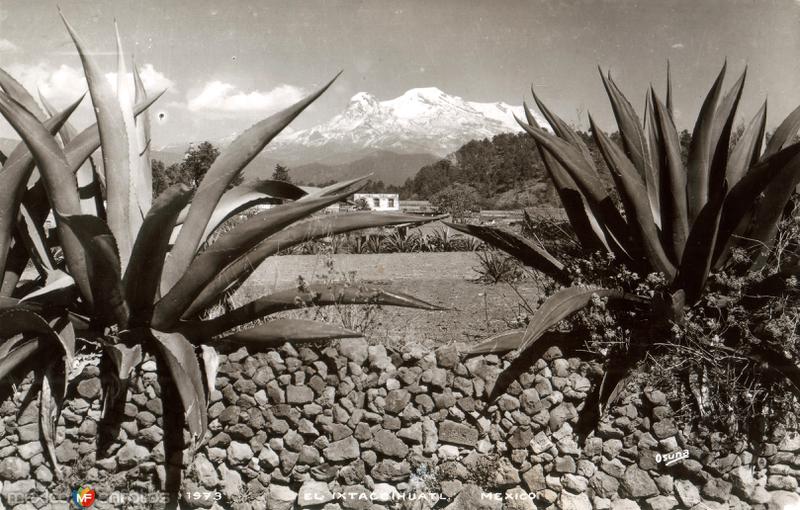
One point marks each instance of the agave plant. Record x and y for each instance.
(137, 276)
(682, 222)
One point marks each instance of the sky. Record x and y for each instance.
(227, 64)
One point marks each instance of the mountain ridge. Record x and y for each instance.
(421, 120)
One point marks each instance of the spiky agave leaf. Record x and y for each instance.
(88, 141)
(136, 183)
(277, 332)
(85, 173)
(308, 296)
(783, 166)
(560, 306)
(29, 333)
(500, 343)
(783, 133)
(614, 225)
(143, 274)
(114, 139)
(226, 249)
(656, 165)
(698, 256)
(308, 230)
(178, 355)
(224, 169)
(57, 280)
(237, 197)
(335, 188)
(674, 208)
(701, 151)
(517, 246)
(247, 195)
(721, 134)
(19, 166)
(630, 128)
(30, 233)
(583, 221)
(77, 152)
(103, 264)
(634, 195)
(670, 108)
(58, 178)
(564, 131)
(747, 151)
(20, 94)
(144, 182)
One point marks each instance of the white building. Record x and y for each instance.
(379, 201)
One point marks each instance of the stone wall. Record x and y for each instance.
(356, 427)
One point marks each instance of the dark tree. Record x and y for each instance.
(281, 173)
(191, 170)
(458, 200)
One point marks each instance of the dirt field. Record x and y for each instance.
(447, 279)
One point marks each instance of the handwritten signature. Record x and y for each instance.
(671, 458)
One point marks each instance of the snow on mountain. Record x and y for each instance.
(423, 120)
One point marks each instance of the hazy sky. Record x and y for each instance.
(229, 62)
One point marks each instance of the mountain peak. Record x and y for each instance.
(421, 120)
(362, 105)
(363, 97)
(425, 92)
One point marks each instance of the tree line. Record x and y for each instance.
(504, 172)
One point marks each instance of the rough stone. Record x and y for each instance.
(534, 478)
(89, 388)
(239, 453)
(506, 475)
(396, 401)
(391, 471)
(280, 497)
(205, 472)
(345, 449)
(661, 503)
(13, 468)
(636, 483)
(567, 501)
(457, 433)
(604, 485)
(687, 493)
(387, 443)
(299, 394)
(355, 349)
(132, 454)
(717, 489)
(664, 429)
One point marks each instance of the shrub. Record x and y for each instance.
(496, 267)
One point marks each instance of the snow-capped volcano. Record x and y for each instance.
(423, 120)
